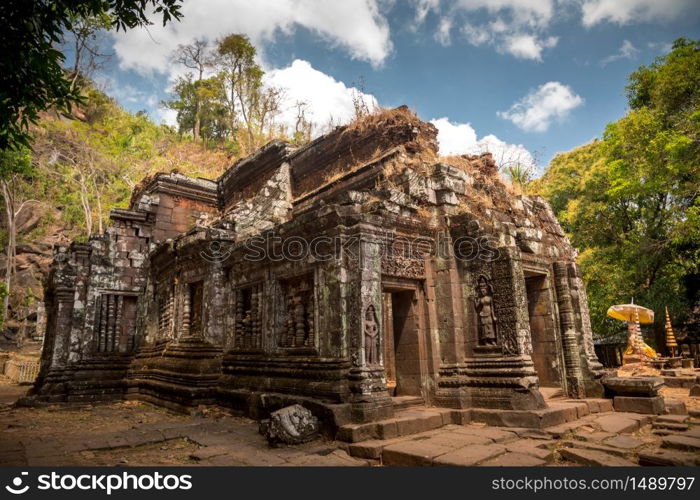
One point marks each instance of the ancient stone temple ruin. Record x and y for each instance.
(341, 275)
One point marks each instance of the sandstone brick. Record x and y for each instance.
(467, 457)
(595, 458)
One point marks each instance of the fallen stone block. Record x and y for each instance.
(633, 386)
(290, 425)
(640, 404)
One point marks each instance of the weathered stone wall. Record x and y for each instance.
(261, 327)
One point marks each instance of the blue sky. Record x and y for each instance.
(518, 77)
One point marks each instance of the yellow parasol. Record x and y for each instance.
(626, 312)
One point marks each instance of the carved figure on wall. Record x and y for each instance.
(371, 331)
(483, 303)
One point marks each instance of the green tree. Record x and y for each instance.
(630, 201)
(32, 78)
(14, 165)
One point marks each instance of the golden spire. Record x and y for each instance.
(670, 337)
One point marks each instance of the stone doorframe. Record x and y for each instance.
(534, 270)
(428, 366)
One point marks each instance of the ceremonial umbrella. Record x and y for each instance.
(625, 312)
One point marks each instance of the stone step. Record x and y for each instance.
(406, 402)
(676, 419)
(669, 458)
(552, 393)
(679, 442)
(404, 423)
(670, 426)
(558, 412)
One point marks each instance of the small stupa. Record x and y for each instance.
(637, 350)
(670, 337)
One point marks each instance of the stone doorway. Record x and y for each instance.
(546, 346)
(403, 341)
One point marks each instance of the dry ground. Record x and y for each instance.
(133, 433)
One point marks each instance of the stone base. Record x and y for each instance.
(695, 391)
(502, 382)
(179, 375)
(638, 404)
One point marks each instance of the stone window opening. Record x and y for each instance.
(115, 323)
(166, 309)
(248, 311)
(299, 312)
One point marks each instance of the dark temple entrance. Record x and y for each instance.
(545, 341)
(402, 343)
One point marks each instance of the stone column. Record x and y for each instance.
(574, 382)
(503, 376)
(592, 368)
(444, 283)
(367, 378)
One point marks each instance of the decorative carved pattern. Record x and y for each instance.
(371, 336)
(568, 325)
(402, 262)
(249, 317)
(299, 324)
(115, 323)
(166, 317)
(505, 306)
(486, 316)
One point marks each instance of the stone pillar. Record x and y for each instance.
(592, 368)
(63, 310)
(444, 283)
(367, 379)
(574, 377)
(503, 376)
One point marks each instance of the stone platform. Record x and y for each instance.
(420, 418)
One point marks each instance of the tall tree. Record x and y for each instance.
(85, 40)
(32, 78)
(196, 57)
(13, 166)
(631, 201)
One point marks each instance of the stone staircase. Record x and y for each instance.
(411, 416)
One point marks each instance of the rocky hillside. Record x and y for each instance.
(83, 165)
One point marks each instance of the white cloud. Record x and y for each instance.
(442, 34)
(626, 51)
(355, 25)
(460, 138)
(537, 110)
(325, 97)
(167, 116)
(634, 11)
(518, 27)
(527, 46)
